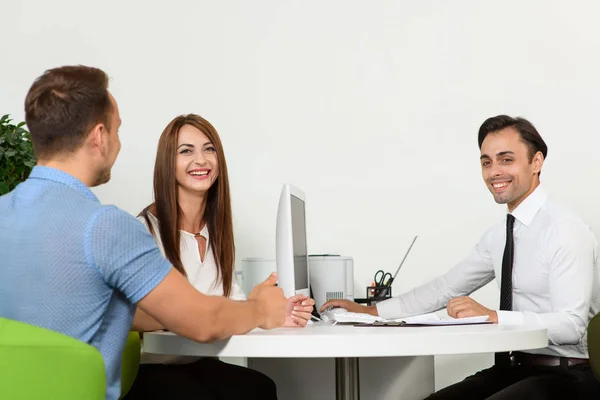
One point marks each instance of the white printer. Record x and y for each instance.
(331, 277)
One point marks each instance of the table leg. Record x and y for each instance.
(347, 379)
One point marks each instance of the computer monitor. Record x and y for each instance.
(291, 249)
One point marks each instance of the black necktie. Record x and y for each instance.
(506, 295)
(507, 266)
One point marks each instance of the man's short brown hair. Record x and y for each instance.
(63, 105)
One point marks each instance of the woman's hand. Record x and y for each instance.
(298, 311)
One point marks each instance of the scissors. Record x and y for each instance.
(382, 278)
(382, 281)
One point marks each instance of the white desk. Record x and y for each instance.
(348, 343)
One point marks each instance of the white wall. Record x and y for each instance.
(371, 107)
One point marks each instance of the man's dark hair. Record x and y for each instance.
(529, 135)
(63, 105)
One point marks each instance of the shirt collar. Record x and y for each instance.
(525, 211)
(56, 175)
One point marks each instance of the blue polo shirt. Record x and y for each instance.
(72, 265)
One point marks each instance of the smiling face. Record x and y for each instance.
(508, 169)
(196, 161)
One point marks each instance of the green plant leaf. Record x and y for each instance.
(16, 154)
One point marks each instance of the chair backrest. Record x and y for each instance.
(131, 362)
(36, 363)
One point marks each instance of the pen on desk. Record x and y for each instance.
(315, 318)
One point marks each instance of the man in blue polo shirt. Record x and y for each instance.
(72, 265)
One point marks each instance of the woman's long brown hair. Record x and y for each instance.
(217, 213)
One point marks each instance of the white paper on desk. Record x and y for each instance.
(434, 319)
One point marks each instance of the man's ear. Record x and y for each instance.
(97, 138)
(538, 162)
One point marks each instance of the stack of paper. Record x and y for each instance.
(434, 319)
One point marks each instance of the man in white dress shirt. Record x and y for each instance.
(545, 258)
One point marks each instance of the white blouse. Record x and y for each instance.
(201, 274)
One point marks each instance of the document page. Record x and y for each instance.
(434, 319)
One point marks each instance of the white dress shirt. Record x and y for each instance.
(201, 274)
(556, 283)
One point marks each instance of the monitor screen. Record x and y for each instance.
(299, 240)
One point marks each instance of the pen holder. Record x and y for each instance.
(376, 294)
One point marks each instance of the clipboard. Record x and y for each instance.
(404, 324)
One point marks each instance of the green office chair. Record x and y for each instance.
(36, 363)
(131, 362)
(593, 338)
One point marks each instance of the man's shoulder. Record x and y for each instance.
(110, 216)
(555, 211)
(5, 200)
(561, 222)
(111, 230)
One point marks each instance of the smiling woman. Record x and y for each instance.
(192, 224)
(197, 163)
(192, 145)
